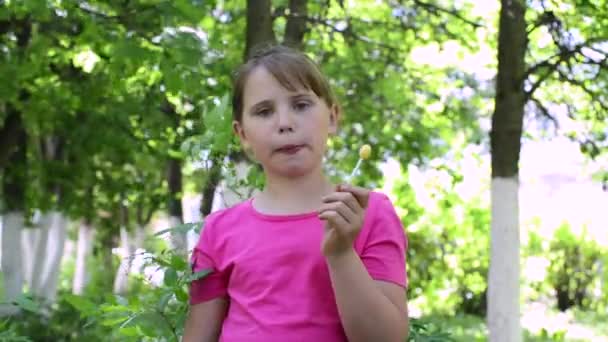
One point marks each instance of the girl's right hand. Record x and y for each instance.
(343, 212)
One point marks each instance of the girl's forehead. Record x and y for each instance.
(261, 82)
(288, 80)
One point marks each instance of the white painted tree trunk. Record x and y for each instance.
(12, 272)
(39, 253)
(86, 236)
(29, 239)
(228, 193)
(130, 243)
(503, 280)
(121, 280)
(139, 237)
(55, 251)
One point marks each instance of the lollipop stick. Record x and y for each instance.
(352, 174)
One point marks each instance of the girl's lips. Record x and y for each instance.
(290, 149)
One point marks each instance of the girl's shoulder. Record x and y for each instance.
(227, 216)
(379, 201)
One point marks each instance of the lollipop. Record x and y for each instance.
(364, 153)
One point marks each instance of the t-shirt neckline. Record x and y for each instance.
(277, 217)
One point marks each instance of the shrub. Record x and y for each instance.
(575, 262)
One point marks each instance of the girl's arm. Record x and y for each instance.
(205, 320)
(370, 310)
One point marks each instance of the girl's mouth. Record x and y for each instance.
(290, 149)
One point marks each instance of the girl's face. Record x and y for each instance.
(285, 131)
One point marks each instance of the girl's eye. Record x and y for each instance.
(263, 112)
(302, 105)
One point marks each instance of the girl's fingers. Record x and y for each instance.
(341, 208)
(360, 194)
(336, 221)
(345, 197)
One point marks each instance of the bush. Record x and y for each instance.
(447, 257)
(425, 330)
(575, 263)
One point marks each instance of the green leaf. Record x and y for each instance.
(199, 275)
(181, 295)
(85, 306)
(178, 263)
(170, 278)
(182, 228)
(26, 303)
(152, 324)
(163, 301)
(128, 321)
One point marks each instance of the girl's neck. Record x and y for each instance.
(294, 195)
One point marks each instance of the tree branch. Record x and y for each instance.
(545, 112)
(565, 55)
(347, 33)
(594, 97)
(435, 9)
(538, 83)
(90, 10)
(547, 63)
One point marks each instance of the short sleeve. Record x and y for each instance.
(384, 252)
(204, 257)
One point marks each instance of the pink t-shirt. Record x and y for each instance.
(275, 277)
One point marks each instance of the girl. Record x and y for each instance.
(303, 260)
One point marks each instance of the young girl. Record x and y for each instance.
(303, 260)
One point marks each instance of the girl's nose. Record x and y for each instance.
(286, 124)
(285, 129)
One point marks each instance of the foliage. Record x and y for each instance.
(447, 258)
(426, 331)
(574, 268)
(9, 333)
(567, 70)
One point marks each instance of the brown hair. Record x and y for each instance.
(290, 67)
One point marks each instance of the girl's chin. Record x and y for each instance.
(293, 171)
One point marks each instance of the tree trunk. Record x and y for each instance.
(39, 259)
(86, 235)
(296, 24)
(12, 272)
(121, 280)
(259, 25)
(54, 256)
(130, 243)
(174, 176)
(104, 253)
(211, 185)
(51, 240)
(29, 240)
(14, 181)
(507, 121)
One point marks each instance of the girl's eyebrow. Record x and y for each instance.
(260, 104)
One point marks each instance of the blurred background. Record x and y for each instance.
(115, 143)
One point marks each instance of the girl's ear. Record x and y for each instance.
(237, 128)
(334, 118)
